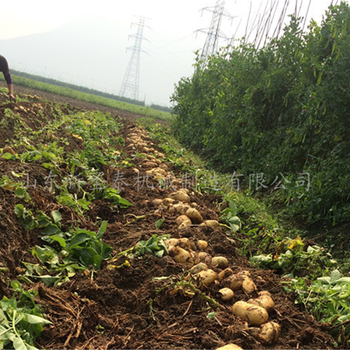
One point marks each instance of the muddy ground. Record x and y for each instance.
(126, 307)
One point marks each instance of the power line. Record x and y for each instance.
(131, 81)
(213, 32)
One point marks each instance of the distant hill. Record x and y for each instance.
(89, 51)
(92, 52)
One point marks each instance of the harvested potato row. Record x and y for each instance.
(186, 243)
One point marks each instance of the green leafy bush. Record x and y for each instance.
(21, 321)
(280, 110)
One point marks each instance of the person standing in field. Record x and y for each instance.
(4, 68)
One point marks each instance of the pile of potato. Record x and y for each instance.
(203, 268)
(207, 270)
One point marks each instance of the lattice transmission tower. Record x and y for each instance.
(211, 44)
(131, 81)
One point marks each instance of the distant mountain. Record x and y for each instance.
(90, 49)
(92, 52)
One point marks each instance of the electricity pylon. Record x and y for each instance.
(131, 81)
(213, 32)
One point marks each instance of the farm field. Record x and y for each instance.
(86, 213)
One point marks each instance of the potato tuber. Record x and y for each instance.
(253, 314)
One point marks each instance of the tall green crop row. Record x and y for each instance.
(280, 110)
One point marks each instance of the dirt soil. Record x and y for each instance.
(126, 307)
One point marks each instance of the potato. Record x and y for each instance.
(202, 245)
(264, 292)
(230, 347)
(198, 268)
(269, 333)
(180, 255)
(224, 274)
(253, 314)
(203, 257)
(220, 262)
(244, 273)
(171, 242)
(168, 201)
(180, 196)
(207, 277)
(264, 301)
(233, 281)
(185, 224)
(157, 202)
(210, 223)
(149, 164)
(182, 242)
(226, 294)
(248, 286)
(181, 219)
(185, 243)
(194, 215)
(178, 208)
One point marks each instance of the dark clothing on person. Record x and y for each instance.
(4, 68)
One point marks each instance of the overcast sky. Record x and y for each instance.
(172, 27)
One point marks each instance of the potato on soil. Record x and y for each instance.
(224, 274)
(198, 268)
(180, 255)
(168, 201)
(149, 164)
(182, 242)
(248, 286)
(269, 333)
(180, 196)
(178, 208)
(157, 202)
(185, 224)
(253, 314)
(220, 262)
(210, 223)
(230, 347)
(203, 257)
(202, 245)
(264, 301)
(194, 215)
(181, 219)
(207, 277)
(264, 292)
(234, 282)
(226, 294)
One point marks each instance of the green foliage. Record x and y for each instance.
(327, 298)
(295, 261)
(229, 217)
(154, 245)
(87, 95)
(21, 321)
(66, 252)
(25, 217)
(282, 109)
